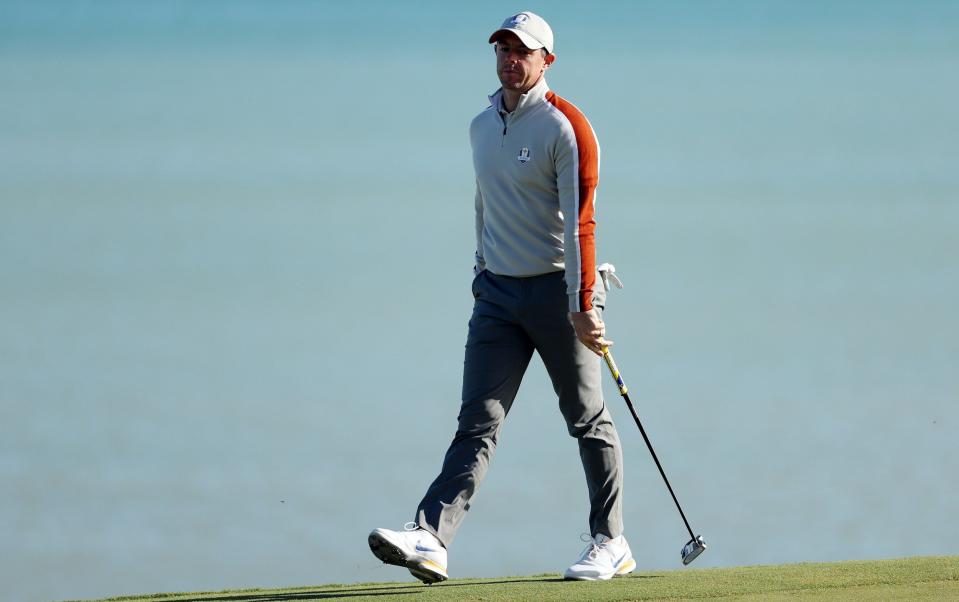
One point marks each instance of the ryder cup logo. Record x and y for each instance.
(523, 155)
(519, 19)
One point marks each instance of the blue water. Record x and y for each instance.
(235, 251)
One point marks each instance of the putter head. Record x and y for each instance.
(693, 548)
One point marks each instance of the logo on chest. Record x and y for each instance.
(524, 155)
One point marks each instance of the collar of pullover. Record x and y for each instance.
(535, 95)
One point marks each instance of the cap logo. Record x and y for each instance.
(519, 19)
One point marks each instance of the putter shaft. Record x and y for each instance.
(623, 390)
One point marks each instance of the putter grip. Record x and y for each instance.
(615, 371)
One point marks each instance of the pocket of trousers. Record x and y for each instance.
(599, 293)
(473, 286)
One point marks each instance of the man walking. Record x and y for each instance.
(536, 160)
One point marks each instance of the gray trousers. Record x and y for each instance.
(512, 317)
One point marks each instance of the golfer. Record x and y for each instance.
(536, 160)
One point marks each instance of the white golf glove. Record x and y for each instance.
(607, 271)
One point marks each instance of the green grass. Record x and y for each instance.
(926, 578)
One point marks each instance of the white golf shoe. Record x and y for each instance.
(603, 559)
(416, 549)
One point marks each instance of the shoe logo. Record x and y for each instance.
(523, 155)
(422, 548)
(620, 561)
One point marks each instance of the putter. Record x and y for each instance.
(696, 545)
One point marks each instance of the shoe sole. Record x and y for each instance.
(423, 569)
(628, 567)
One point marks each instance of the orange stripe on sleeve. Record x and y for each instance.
(588, 177)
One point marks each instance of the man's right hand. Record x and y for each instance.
(590, 330)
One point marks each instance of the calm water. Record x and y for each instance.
(235, 250)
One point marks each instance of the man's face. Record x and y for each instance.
(518, 67)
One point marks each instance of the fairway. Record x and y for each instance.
(920, 578)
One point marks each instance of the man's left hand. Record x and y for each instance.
(590, 330)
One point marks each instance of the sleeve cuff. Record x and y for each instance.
(576, 306)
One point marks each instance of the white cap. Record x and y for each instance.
(530, 28)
